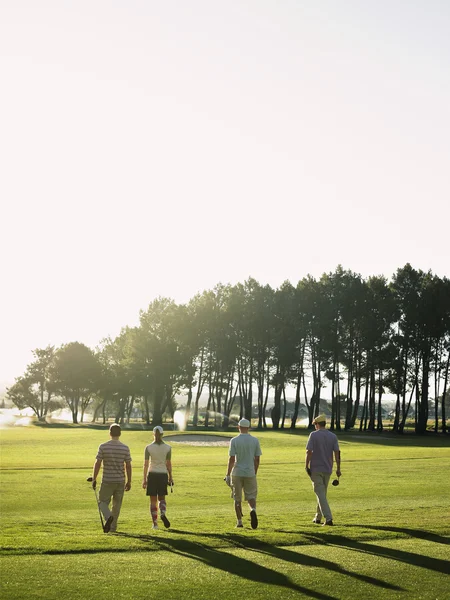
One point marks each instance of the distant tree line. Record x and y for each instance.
(239, 345)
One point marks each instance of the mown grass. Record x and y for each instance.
(391, 538)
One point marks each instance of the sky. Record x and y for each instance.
(154, 148)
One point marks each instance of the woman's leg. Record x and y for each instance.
(154, 510)
(162, 510)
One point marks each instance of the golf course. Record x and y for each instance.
(390, 538)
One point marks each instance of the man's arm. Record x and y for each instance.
(128, 469)
(169, 469)
(144, 481)
(337, 458)
(231, 461)
(308, 461)
(97, 465)
(256, 463)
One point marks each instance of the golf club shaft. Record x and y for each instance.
(99, 511)
(90, 479)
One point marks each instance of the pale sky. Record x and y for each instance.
(154, 147)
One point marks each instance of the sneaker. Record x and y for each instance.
(253, 519)
(107, 525)
(330, 522)
(239, 524)
(317, 521)
(166, 521)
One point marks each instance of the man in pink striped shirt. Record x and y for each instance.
(116, 459)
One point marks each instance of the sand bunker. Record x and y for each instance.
(194, 439)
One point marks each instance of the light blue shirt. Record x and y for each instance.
(244, 448)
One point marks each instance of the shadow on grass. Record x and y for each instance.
(257, 545)
(245, 568)
(217, 559)
(418, 560)
(421, 534)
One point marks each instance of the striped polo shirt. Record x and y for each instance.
(157, 454)
(114, 455)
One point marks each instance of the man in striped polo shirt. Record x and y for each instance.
(116, 459)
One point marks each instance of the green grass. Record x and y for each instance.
(391, 538)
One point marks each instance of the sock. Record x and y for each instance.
(162, 507)
(154, 513)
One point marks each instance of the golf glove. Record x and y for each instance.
(227, 480)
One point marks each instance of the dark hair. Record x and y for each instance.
(115, 430)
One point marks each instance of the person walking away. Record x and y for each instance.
(157, 475)
(321, 446)
(243, 465)
(116, 459)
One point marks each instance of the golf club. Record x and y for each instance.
(98, 505)
(229, 485)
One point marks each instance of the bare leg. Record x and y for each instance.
(154, 510)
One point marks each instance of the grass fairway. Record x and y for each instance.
(391, 538)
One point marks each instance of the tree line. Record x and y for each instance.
(241, 345)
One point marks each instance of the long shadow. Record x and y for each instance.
(419, 560)
(247, 543)
(311, 561)
(421, 534)
(227, 562)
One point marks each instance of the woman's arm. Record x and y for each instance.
(144, 481)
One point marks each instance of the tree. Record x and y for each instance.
(287, 337)
(36, 388)
(155, 358)
(250, 310)
(118, 389)
(77, 376)
(423, 331)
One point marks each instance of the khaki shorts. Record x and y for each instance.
(248, 484)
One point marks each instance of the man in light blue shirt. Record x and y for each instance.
(243, 464)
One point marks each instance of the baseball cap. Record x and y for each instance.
(244, 423)
(320, 419)
(158, 428)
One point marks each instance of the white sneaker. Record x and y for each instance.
(155, 526)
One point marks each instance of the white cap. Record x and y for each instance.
(244, 423)
(158, 428)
